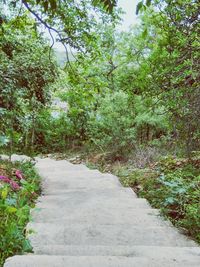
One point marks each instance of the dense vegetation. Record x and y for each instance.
(135, 88)
(25, 73)
(130, 97)
(19, 187)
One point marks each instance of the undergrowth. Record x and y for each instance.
(171, 185)
(19, 188)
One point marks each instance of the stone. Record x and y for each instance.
(87, 219)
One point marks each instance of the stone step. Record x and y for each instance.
(78, 183)
(103, 215)
(103, 193)
(106, 235)
(98, 261)
(128, 251)
(83, 175)
(78, 170)
(75, 176)
(71, 170)
(49, 165)
(91, 202)
(51, 162)
(84, 180)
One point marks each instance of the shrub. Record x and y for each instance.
(15, 205)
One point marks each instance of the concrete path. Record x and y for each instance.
(87, 219)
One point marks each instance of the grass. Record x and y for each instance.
(15, 205)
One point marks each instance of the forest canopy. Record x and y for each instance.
(134, 88)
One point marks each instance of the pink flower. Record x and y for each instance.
(5, 179)
(14, 185)
(18, 174)
(9, 181)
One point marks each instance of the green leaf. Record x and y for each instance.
(148, 2)
(11, 201)
(169, 200)
(3, 140)
(140, 5)
(181, 190)
(27, 246)
(11, 209)
(108, 4)
(144, 34)
(4, 193)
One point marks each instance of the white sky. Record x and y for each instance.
(129, 18)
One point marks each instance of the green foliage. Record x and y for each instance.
(26, 72)
(112, 123)
(53, 133)
(94, 84)
(152, 64)
(173, 187)
(171, 68)
(71, 22)
(142, 5)
(108, 4)
(14, 210)
(150, 123)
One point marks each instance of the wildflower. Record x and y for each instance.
(18, 174)
(5, 179)
(14, 185)
(9, 181)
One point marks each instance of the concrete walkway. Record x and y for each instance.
(87, 219)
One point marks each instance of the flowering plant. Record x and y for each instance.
(19, 187)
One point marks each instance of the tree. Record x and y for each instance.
(72, 21)
(172, 71)
(26, 72)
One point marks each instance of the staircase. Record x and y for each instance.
(87, 219)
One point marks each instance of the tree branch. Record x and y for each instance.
(38, 17)
(49, 28)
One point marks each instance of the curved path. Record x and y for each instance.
(87, 219)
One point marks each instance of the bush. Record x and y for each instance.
(17, 197)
